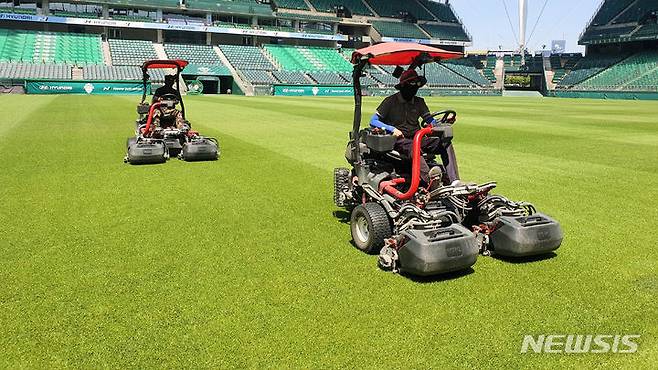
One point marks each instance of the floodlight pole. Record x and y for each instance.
(523, 20)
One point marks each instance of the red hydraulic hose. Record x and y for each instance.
(150, 118)
(415, 168)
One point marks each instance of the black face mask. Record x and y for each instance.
(408, 92)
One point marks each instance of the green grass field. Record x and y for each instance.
(242, 262)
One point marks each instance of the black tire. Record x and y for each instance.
(374, 219)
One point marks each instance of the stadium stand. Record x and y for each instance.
(297, 58)
(465, 68)
(291, 77)
(259, 77)
(196, 54)
(15, 71)
(109, 73)
(438, 75)
(50, 47)
(231, 6)
(640, 71)
(446, 32)
(398, 29)
(489, 69)
(588, 67)
(304, 17)
(292, 4)
(131, 52)
(246, 57)
(609, 10)
(622, 21)
(395, 8)
(260, 65)
(637, 11)
(441, 11)
(602, 34)
(9, 8)
(327, 78)
(329, 6)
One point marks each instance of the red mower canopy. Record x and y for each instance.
(401, 53)
(158, 64)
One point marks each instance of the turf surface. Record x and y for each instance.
(245, 262)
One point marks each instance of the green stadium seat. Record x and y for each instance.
(441, 11)
(131, 52)
(394, 8)
(398, 30)
(291, 77)
(586, 68)
(446, 32)
(50, 47)
(355, 6)
(609, 10)
(246, 57)
(636, 12)
(195, 54)
(231, 6)
(292, 4)
(298, 58)
(636, 72)
(21, 71)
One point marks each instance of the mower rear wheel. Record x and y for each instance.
(370, 227)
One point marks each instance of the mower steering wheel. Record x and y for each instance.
(168, 100)
(447, 117)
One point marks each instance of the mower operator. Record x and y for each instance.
(166, 116)
(166, 89)
(398, 114)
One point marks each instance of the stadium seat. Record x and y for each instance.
(446, 32)
(329, 6)
(246, 57)
(298, 58)
(292, 4)
(609, 10)
(588, 67)
(195, 54)
(231, 6)
(259, 77)
(637, 72)
(399, 30)
(328, 78)
(19, 71)
(290, 77)
(394, 9)
(50, 47)
(131, 52)
(441, 11)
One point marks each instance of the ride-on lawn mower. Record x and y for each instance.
(157, 144)
(439, 228)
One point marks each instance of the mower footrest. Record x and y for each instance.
(526, 236)
(147, 153)
(433, 252)
(200, 150)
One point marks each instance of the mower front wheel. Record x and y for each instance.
(370, 227)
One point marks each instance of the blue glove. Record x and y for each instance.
(376, 122)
